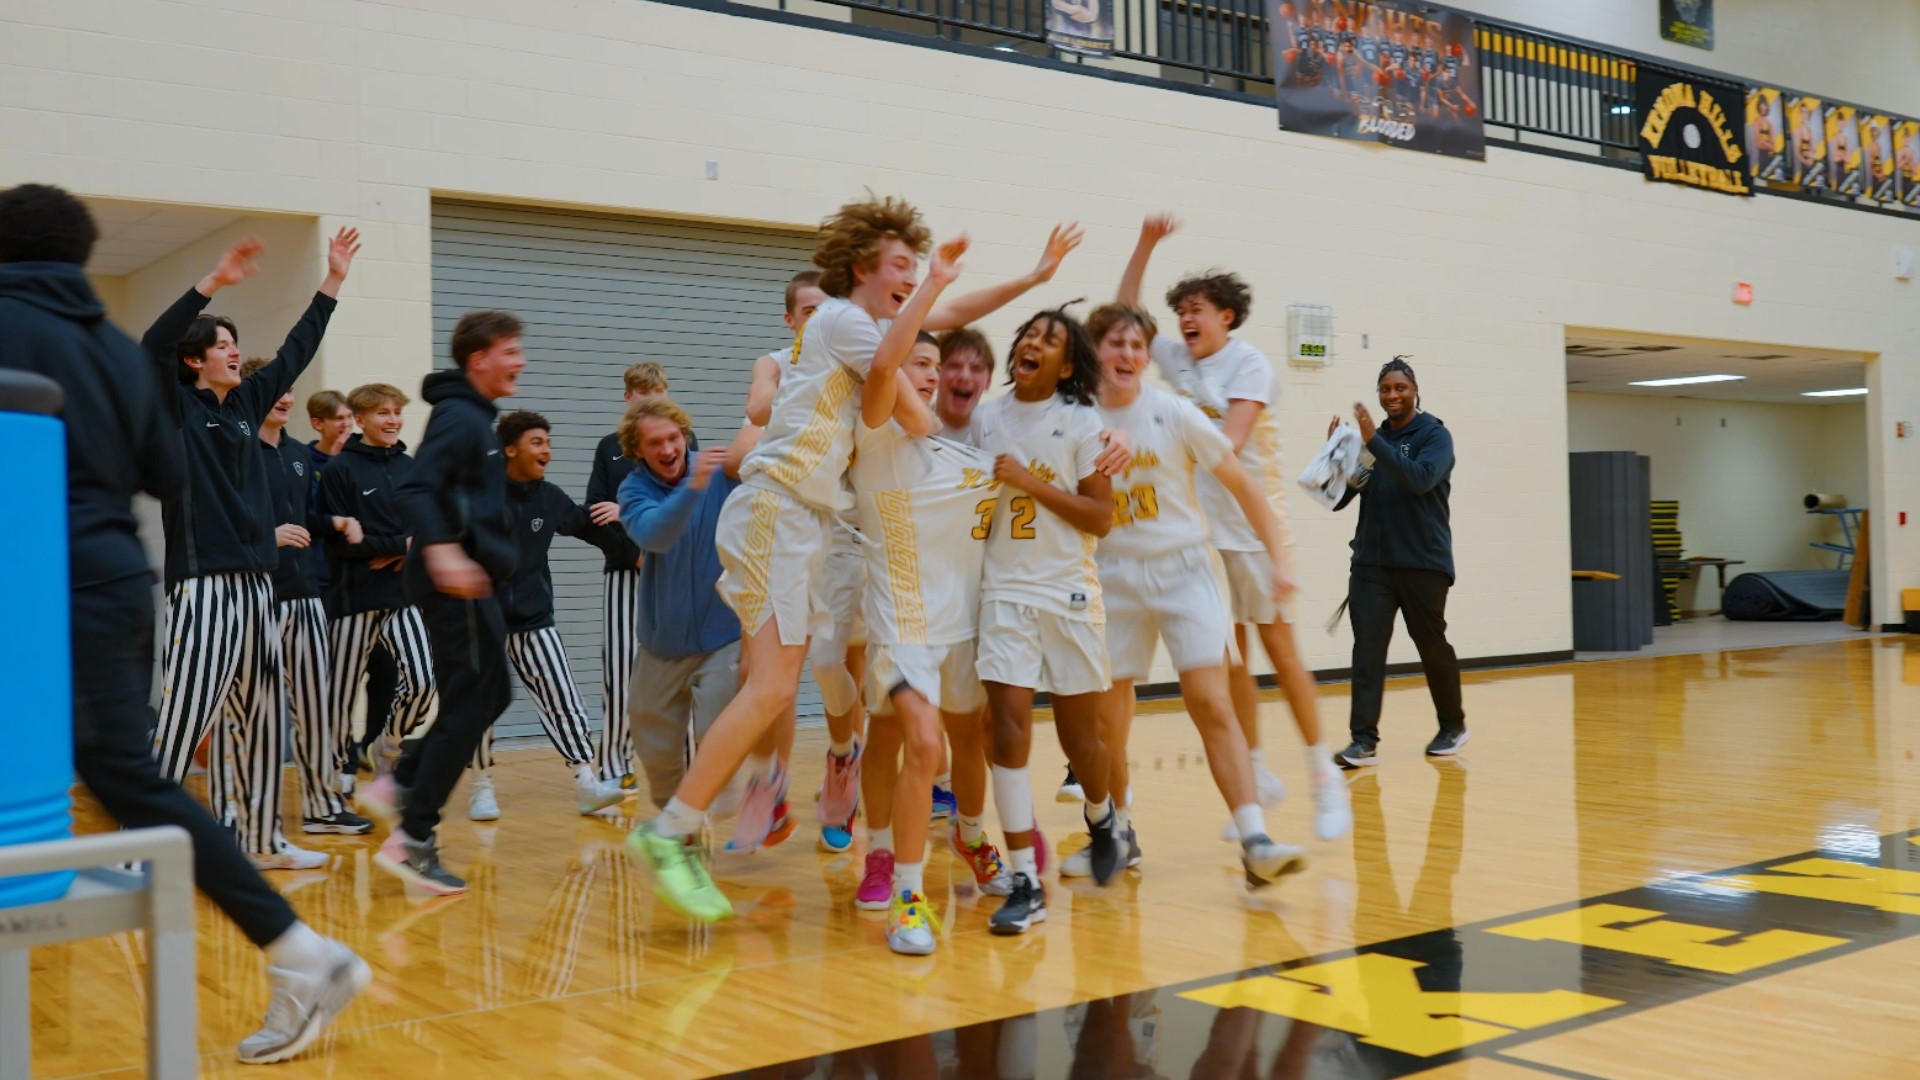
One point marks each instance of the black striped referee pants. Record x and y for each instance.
(223, 663)
(539, 657)
(619, 636)
(308, 663)
(352, 638)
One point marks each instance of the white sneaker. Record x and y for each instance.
(1332, 807)
(481, 804)
(288, 857)
(1080, 863)
(1267, 862)
(1271, 791)
(303, 1004)
(592, 795)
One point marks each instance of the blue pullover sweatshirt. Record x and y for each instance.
(681, 613)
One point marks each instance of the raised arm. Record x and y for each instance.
(877, 395)
(970, 307)
(162, 339)
(1155, 228)
(303, 341)
(765, 387)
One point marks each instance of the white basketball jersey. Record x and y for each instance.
(1156, 508)
(1237, 372)
(923, 507)
(1034, 556)
(810, 434)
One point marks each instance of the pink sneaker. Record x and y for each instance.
(840, 795)
(381, 800)
(759, 811)
(876, 888)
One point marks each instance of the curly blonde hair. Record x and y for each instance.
(850, 240)
(659, 408)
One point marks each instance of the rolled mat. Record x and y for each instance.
(1817, 500)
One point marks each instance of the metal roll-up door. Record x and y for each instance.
(598, 293)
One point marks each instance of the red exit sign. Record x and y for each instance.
(1742, 292)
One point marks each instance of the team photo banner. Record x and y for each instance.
(1083, 27)
(1688, 132)
(1394, 71)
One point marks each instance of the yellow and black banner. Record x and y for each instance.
(1844, 174)
(1767, 136)
(1687, 22)
(1876, 148)
(1807, 141)
(1906, 162)
(1081, 27)
(1689, 133)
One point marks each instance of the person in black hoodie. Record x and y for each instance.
(455, 505)
(540, 511)
(366, 595)
(223, 635)
(1402, 562)
(121, 440)
(304, 659)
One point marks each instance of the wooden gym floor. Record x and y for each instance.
(1679, 866)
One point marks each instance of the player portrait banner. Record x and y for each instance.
(1393, 71)
(1807, 141)
(1876, 151)
(1906, 163)
(1688, 133)
(1844, 175)
(1687, 22)
(1083, 27)
(1767, 136)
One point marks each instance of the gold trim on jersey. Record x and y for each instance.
(811, 445)
(758, 558)
(897, 531)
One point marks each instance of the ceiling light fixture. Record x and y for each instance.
(1688, 380)
(1854, 392)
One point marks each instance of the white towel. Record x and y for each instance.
(1335, 467)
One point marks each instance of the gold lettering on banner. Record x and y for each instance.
(1642, 932)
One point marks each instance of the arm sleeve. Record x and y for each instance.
(655, 525)
(266, 385)
(436, 469)
(1206, 444)
(1419, 472)
(163, 338)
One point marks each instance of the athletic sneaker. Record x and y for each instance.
(1103, 848)
(592, 795)
(1357, 755)
(680, 879)
(1025, 905)
(1332, 808)
(344, 823)
(1268, 787)
(876, 885)
(629, 782)
(417, 862)
(287, 857)
(381, 800)
(1080, 863)
(759, 810)
(912, 928)
(990, 873)
(1267, 862)
(945, 806)
(835, 839)
(1447, 743)
(1070, 789)
(302, 1004)
(481, 803)
(783, 825)
(840, 792)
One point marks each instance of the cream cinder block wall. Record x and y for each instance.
(1740, 485)
(365, 112)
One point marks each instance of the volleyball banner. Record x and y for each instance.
(1767, 136)
(1807, 141)
(1687, 132)
(1082, 27)
(1876, 148)
(1398, 72)
(1844, 174)
(1906, 163)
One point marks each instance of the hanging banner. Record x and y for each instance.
(1906, 162)
(1807, 138)
(1843, 151)
(1767, 136)
(1686, 134)
(1084, 27)
(1687, 22)
(1398, 72)
(1876, 144)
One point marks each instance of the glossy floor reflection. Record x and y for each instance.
(1581, 782)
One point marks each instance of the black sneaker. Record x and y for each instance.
(344, 823)
(1070, 789)
(1358, 755)
(417, 862)
(1103, 848)
(1024, 906)
(1447, 743)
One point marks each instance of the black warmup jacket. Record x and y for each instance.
(363, 482)
(119, 440)
(539, 511)
(289, 472)
(610, 469)
(218, 524)
(1404, 519)
(457, 492)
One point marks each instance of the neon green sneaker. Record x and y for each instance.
(679, 878)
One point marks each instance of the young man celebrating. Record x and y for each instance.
(366, 598)
(803, 299)
(455, 504)
(121, 440)
(304, 657)
(539, 511)
(620, 597)
(223, 634)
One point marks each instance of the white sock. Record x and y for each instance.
(1250, 821)
(944, 781)
(880, 839)
(1128, 797)
(1024, 862)
(1099, 814)
(760, 766)
(906, 877)
(1320, 760)
(583, 774)
(299, 948)
(841, 749)
(1123, 820)
(971, 829)
(1258, 757)
(678, 819)
(1013, 797)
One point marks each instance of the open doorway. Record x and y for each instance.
(1726, 443)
